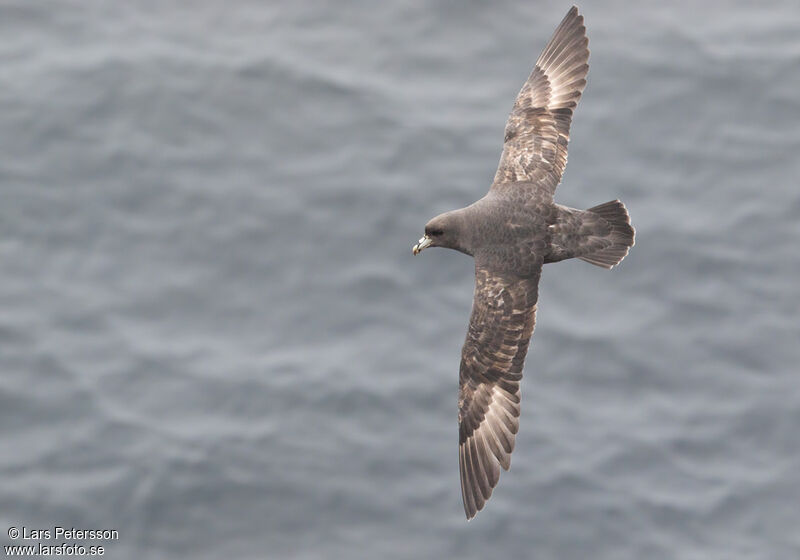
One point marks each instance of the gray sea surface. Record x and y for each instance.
(215, 340)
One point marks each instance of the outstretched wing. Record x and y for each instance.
(537, 131)
(500, 328)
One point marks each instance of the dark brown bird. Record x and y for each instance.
(511, 232)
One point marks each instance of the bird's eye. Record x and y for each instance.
(435, 232)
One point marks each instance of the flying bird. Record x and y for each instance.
(511, 232)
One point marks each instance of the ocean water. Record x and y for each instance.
(215, 340)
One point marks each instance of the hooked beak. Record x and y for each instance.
(424, 242)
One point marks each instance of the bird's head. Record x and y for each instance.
(441, 231)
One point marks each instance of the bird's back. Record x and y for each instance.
(512, 232)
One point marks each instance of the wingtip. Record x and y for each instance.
(469, 512)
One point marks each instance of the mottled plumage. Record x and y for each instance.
(511, 232)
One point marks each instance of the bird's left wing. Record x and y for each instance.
(500, 328)
(537, 131)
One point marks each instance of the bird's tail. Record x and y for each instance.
(609, 249)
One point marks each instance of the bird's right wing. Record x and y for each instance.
(537, 131)
(500, 328)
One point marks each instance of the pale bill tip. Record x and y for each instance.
(424, 242)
